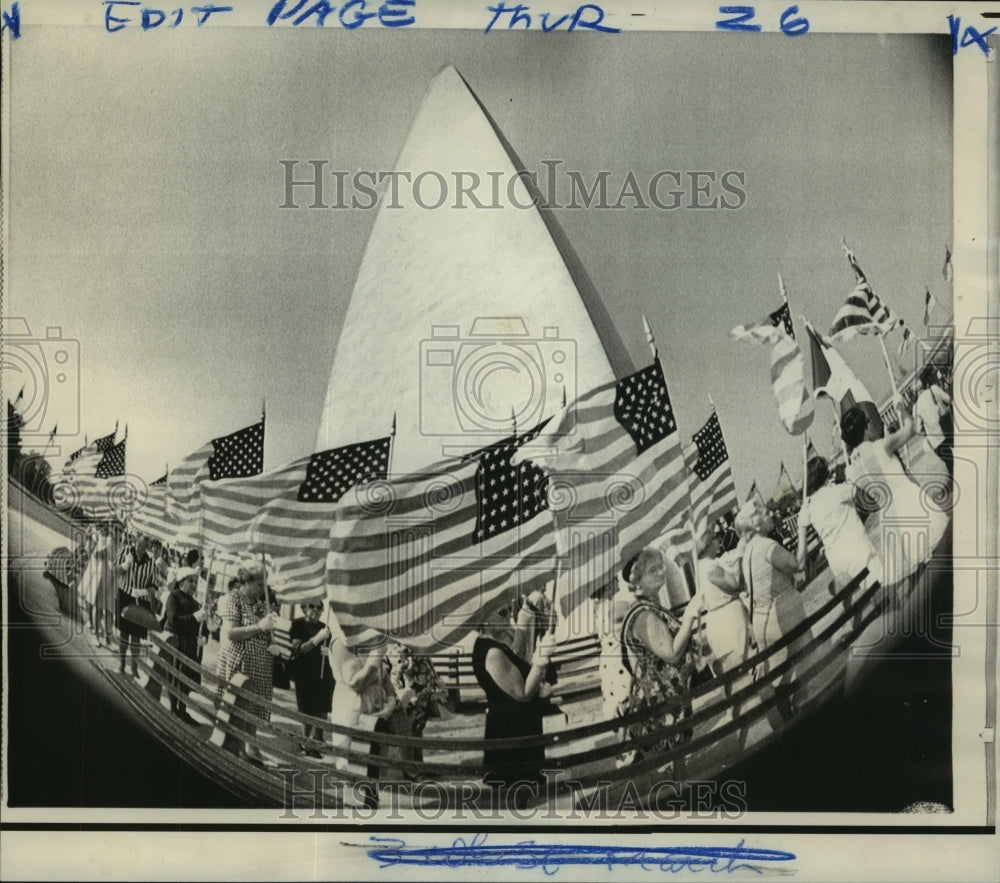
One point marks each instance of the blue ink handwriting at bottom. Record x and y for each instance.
(550, 858)
(588, 17)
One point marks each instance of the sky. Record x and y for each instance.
(144, 217)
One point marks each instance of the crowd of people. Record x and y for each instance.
(744, 596)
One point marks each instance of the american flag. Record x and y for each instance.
(617, 480)
(113, 462)
(105, 443)
(713, 491)
(948, 270)
(418, 557)
(77, 454)
(863, 311)
(288, 513)
(239, 454)
(787, 530)
(788, 366)
(150, 518)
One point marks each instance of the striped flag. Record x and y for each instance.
(288, 513)
(150, 518)
(788, 381)
(863, 311)
(905, 342)
(833, 377)
(240, 454)
(948, 271)
(417, 557)
(618, 479)
(713, 491)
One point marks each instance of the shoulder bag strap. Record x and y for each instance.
(626, 625)
(748, 575)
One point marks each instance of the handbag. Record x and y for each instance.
(701, 654)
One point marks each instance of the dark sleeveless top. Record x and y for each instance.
(507, 718)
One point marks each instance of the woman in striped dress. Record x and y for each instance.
(244, 641)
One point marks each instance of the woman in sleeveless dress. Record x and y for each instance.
(769, 572)
(727, 624)
(653, 646)
(516, 692)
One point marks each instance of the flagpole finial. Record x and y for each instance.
(781, 288)
(649, 336)
(263, 408)
(513, 419)
(392, 431)
(711, 401)
(564, 396)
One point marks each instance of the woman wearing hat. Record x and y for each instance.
(182, 619)
(653, 643)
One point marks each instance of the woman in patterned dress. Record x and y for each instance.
(244, 641)
(416, 684)
(653, 644)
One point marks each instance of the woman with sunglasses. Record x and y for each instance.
(511, 670)
(309, 668)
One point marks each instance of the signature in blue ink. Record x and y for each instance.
(528, 855)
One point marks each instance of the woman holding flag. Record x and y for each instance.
(511, 669)
(903, 506)
(653, 643)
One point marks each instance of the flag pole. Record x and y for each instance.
(267, 588)
(649, 338)
(895, 390)
(392, 446)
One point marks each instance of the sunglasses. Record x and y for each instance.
(313, 606)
